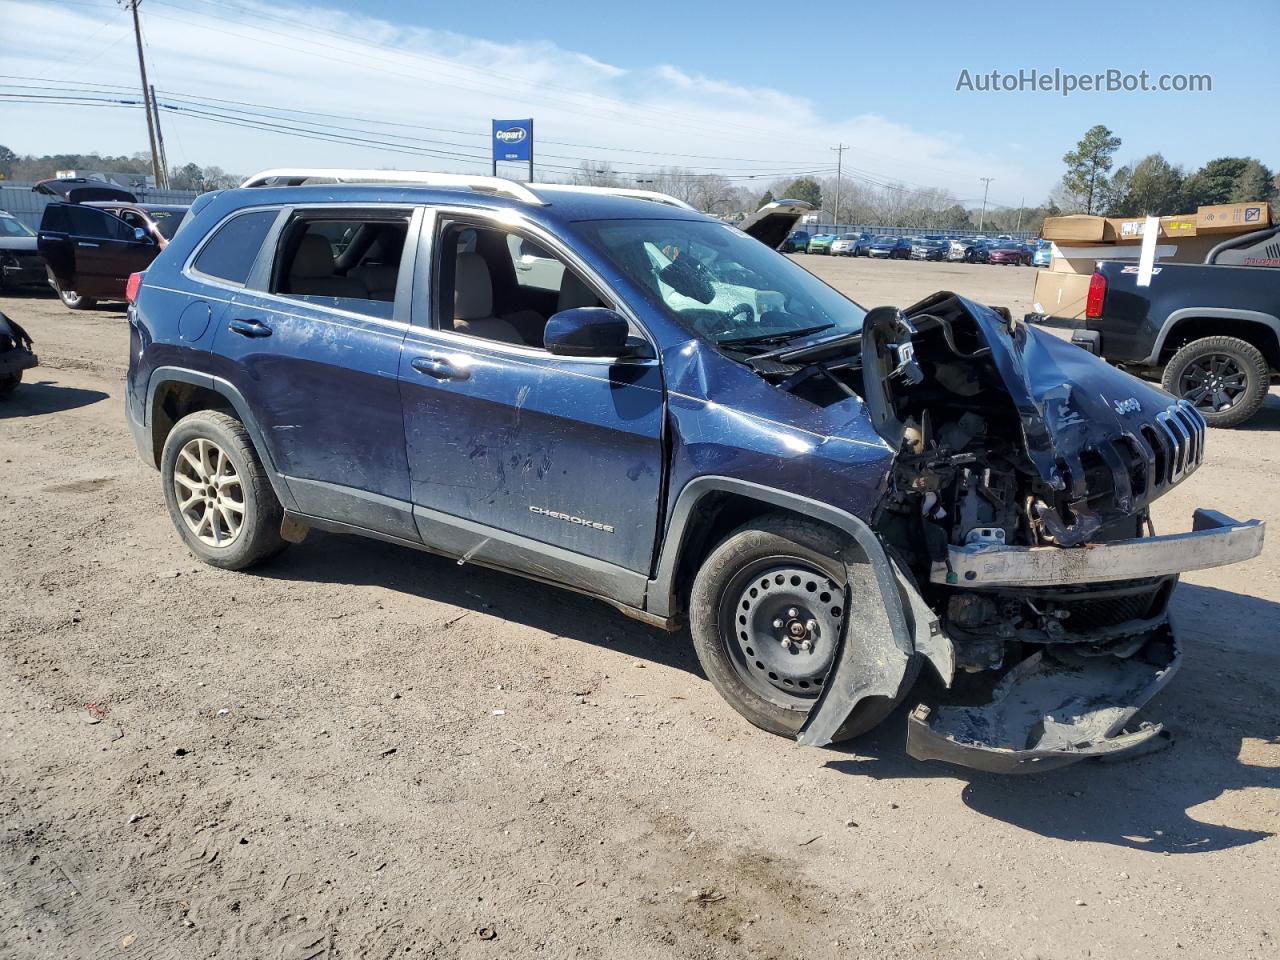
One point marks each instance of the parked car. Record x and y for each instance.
(15, 355)
(1043, 255)
(692, 427)
(890, 248)
(1006, 252)
(90, 249)
(821, 243)
(797, 242)
(927, 248)
(1210, 331)
(846, 245)
(20, 263)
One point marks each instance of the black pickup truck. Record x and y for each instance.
(1211, 331)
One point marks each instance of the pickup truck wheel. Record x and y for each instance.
(767, 611)
(218, 495)
(1225, 378)
(76, 301)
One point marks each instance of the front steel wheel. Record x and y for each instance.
(768, 614)
(780, 621)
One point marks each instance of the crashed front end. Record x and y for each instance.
(1017, 515)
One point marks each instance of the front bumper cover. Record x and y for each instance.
(1064, 704)
(1055, 708)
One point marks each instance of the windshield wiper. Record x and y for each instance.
(779, 337)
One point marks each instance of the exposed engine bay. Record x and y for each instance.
(1004, 439)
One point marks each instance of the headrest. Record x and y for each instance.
(472, 288)
(575, 293)
(313, 259)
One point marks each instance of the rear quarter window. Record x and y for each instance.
(230, 252)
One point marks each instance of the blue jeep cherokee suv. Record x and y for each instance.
(610, 392)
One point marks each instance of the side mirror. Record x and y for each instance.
(141, 236)
(592, 332)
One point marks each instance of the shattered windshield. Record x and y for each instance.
(720, 283)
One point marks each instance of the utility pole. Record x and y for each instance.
(164, 160)
(839, 150)
(146, 93)
(1022, 202)
(986, 183)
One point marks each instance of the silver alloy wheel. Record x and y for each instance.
(209, 494)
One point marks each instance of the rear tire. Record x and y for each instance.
(1225, 378)
(228, 516)
(775, 686)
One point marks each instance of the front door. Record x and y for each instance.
(549, 464)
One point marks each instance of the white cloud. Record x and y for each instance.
(307, 57)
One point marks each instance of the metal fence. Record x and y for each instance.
(16, 198)
(877, 230)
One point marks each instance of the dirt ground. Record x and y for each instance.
(364, 751)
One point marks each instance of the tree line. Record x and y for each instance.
(190, 176)
(1152, 186)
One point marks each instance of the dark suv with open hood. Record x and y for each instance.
(692, 427)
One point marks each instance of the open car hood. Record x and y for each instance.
(80, 189)
(773, 222)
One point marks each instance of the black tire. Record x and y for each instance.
(258, 537)
(75, 301)
(9, 384)
(775, 543)
(1225, 378)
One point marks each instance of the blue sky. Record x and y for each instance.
(750, 86)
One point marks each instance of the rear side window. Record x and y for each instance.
(229, 255)
(348, 262)
(84, 222)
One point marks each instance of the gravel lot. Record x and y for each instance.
(363, 751)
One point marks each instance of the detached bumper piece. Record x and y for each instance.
(1215, 541)
(1057, 707)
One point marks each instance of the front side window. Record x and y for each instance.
(721, 284)
(348, 262)
(89, 222)
(230, 253)
(498, 285)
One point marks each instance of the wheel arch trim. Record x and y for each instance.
(1267, 320)
(224, 388)
(844, 688)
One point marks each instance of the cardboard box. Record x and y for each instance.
(1233, 217)
(1078, 227)
(1080, 258)
(1131, 229)
(1061, 295)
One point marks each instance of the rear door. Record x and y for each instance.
(315, 350)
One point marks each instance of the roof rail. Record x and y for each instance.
(653, 195)
(293, 176)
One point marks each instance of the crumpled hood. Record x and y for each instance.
(1107, 441)
(1069, 400)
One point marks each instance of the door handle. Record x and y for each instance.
(440, 368)
(249, 328)
(81, 243)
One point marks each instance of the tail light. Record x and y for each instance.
(1097, 293)
(135, 284)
